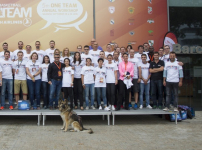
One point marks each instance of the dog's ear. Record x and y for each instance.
(60, 101)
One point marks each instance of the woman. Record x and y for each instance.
(102, 55)
(129, 47)
(126, 71)
(45, 85)
(111, 81)
(66, 54)
(67, 81)
(33, 69)
(100, 84)
(77, 66)
(87, 78)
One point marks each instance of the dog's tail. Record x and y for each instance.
(90, 131)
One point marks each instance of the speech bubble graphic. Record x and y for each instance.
(59, 11)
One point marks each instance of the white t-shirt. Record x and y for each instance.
(15, 53)
(138, 56)
(172, 69)
(117, 63)
(110, 72)
(100, 77)
(77, 68)
(50, 53)
(84, 56)
(145, 71)
(21, 67)
(134, 61)
(107, 53)
(26, 57)
(67, 76)
(62, 59)
(41, 54)
(103, 65)
(95, 55)
(6, 69)
(2, 55)
(44, 70)
(33, 69)
(88, 72)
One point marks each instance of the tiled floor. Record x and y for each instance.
(130, 133)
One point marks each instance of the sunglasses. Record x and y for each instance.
(86, 49)
(57, 57)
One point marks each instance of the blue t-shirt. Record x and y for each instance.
(99, 48)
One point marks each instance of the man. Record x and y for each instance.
(86, 54)
(109, 50)
(79, 49)
(118, 49)
(95, 53)
(20, 48)
(136, 80)
(26, 56)
(156, 69)
(40, 52)
(144, 75)
(161, 56)
(172, 78)
(151, 53)
(55, 79)
(50, 51)
(146, 47)
(5, 48)
(19, 69)
(140, 52)
(92, 44)
(122, 51)
(7, 80)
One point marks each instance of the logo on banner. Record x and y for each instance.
(131, 33)
(131, 21)
(27, 22)
(112, 32)
(131, 10)
(150, 10)
(150, 21)
(111, 0)
(131, 42)
(150, 1)
(151, 42)
(112, 21)
(131, 1)
(62, 13)
(111, 9)
(151, 32)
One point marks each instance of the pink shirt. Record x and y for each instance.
(125, 68)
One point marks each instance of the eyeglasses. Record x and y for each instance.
(86, 49)
(57, 57)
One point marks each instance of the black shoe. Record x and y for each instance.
(117, 109)
(126, 108)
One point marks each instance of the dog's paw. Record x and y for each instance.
(62, 128)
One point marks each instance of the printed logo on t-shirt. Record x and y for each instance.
(100, 72)
(7, 65)
(172, 67)
(21, 66)
(95, 55)
(110, 68)
(35, 66)
(45, 68)
(145, 67)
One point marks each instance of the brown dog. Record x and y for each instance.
(69, 117)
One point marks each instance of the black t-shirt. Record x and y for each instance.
(53, 71)
(157, 75)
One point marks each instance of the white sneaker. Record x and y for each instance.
(109, 106)
(87, 107)
(165, 109)
(113, 108)
(149, 107)
(92, 107)
(175, 109)
(100, 108)
(107, 109)
(141, 107)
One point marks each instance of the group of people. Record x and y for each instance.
(115, 75)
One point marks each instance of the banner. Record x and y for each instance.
(170, 39)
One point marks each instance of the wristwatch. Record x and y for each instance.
(33, 75)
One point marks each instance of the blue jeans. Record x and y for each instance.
(55, 88)
(34, 91)
(145, 88)
(89, 87)
(98, 91)
(9, 84)
(157, 87)
(46, 92)
(171, 86)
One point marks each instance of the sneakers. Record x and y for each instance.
(100, 108)
(113, 108)
(130, 105)
(121, 106)
(141, 106)
(109, 106)
(171, 106)
(87, 107)
(16, 107)
(154, 107)
(106, 108)
(165, 109)
(148, 106)
(11, 107)
(175, 109)
(2, 108)
(135, 106)
(92, 107)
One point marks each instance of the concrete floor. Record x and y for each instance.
(130, 133)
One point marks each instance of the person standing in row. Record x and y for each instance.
(88, 82)
(19, 69)
(40, 53)
(86, 54)
(95, 53)
(7, 80)
(45, 85)
(5, 48)
(111, 81)
(100, 84)
(77, 66)
(20, 48)
(67, 81)
(109, 50)
(55, 79)
(50, 51)
(26, 56)
(66, 54)
(144, 75)
(140, 52)
(33, 69)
